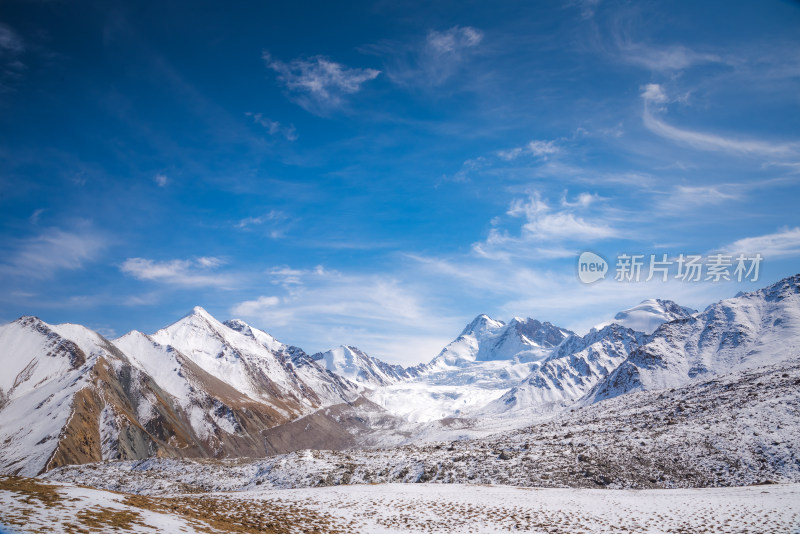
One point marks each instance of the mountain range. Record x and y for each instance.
(201, 388)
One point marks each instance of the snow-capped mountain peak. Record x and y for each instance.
(246, 359)
(481, 325)
(486, 339)
(569, 372)
(648, 315)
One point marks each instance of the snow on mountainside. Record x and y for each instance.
(575, 366)
(357, 366)
(481, 364)
(71, 396)
(329, 387)
(649, 315)
(240, 360)
(202, 388)
(42, 371)
(219, 415)
(486, 339)
(74, 397)
(752, 329)
(254, 363)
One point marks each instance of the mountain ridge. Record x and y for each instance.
(204, 388)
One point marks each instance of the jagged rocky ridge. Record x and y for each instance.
(201, 388)
(751, 329)
(486, 339)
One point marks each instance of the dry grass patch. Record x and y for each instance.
(55, 512)
(46, 494)
(212, 514)
(101, 519)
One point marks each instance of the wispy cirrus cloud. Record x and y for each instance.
(627, 42)
(684, 197)
(432, 61)
(665, 58)
(655, 94)
(54, 250)
(319, 84)
(378, 313)
(10, 41)
(197, 272)
(539, 150)
(274, 127)
(12, 48)
(34, 218)
(274, 222)
(445, 50)
(782, 244)
(535, 148)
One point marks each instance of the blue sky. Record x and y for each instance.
(376, 174)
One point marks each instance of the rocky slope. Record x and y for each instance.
(197, 388)
(738, 429)
(752, 329)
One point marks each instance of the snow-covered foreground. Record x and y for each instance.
(468, 508)
(30, 506)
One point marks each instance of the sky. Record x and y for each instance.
(379, 173)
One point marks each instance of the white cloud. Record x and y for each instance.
(546, 232)
(147, 299)
(54, 250)
(261, 219)
(468, 168)
(185, 273)
(540, 149)
(683, 197)
(256, 308)
(209, 262)
(784, 243)
(584, 200)
(320, 309)
(588, 7)
(453, 41)
(317, 83)
(654, 94)
(274, 127)
(160, 180)
(105, 331)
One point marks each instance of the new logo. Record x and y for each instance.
(591, 267)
